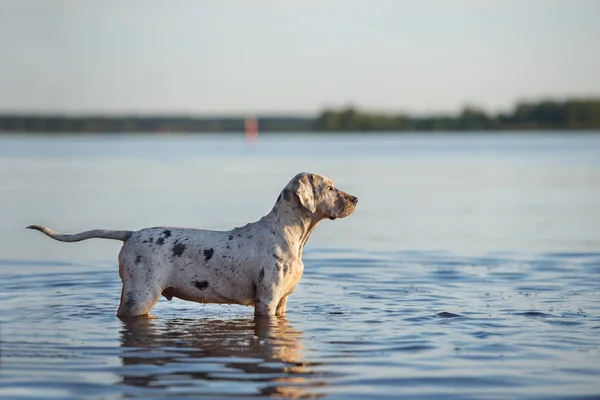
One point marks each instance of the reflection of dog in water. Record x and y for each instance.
(261, 354)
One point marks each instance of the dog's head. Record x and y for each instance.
(318, 195)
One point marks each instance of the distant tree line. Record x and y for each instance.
(543, 115)
(570, 114)
(163, 124)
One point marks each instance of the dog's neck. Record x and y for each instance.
(293, 223)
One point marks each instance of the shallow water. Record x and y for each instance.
(470, 269)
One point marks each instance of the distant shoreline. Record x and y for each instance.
(580, 115)
(548, 132)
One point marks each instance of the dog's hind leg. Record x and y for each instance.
(141, 286)
(137, 301)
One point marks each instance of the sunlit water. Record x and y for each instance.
(470, 269)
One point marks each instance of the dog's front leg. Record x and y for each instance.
(266, 301)
(280, 310)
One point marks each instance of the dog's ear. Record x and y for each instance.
(306, 193)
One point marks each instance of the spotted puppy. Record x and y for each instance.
(259, 264)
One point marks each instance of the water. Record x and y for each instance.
(470, 269)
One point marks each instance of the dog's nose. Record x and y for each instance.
(354, 199)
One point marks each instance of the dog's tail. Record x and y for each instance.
(97, 233)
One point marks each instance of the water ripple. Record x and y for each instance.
(376, 325)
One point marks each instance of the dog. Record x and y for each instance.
(259, 264)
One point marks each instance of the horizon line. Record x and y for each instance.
(288, 113)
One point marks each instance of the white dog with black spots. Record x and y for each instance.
(259, 264)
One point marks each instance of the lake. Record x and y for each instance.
(469, 270)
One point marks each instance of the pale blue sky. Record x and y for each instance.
(232, 56)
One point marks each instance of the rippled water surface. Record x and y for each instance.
(470, 269)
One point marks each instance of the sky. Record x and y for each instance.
(273, 57)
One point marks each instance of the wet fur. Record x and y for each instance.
(259, 264)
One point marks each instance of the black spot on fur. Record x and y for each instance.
(151, 240)
(261, 275)
(227, 246)
(138, 259)
(160, 241)
(312, 185)
(249, 236)
(208, 254)
(275, 256)
(285, 270)
(287, 194)
(167, 233)
(201, 285)
(178, 249)
(230, 237)
(130, 301)
(145, 241)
